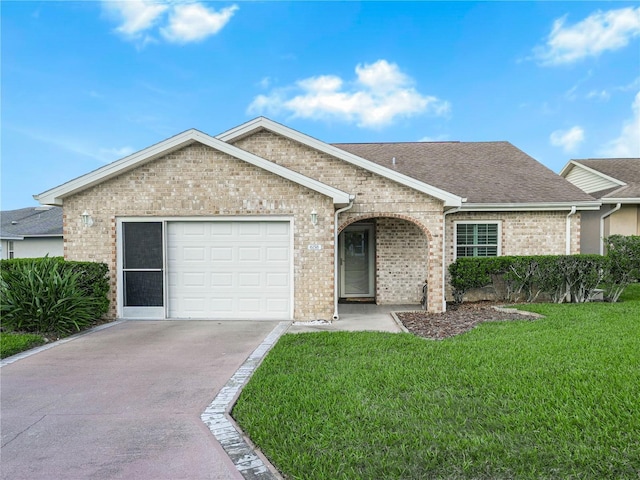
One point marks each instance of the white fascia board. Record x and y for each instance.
(449, 199)
(56, 195)
(567, 168)
(11, 237)
(524, 207)
(625, 201)
(576, 163)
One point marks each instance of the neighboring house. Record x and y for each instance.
(31, 232)
(265, 222)
(615, 182)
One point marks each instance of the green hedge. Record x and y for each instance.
(52, 295)
(562, 278)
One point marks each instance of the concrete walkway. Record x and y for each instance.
(358, 317)
(123, 403)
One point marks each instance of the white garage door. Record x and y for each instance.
(229, 270)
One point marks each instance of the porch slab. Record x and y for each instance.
(358, 317)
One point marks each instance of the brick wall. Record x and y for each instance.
(523, 233)
(401, 261)
(198, 181)
(376, 198)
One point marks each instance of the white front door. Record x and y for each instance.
(357, 261)
(229, 270)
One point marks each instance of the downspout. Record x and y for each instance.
(444, 255)
(568, 233)
(605, 215)
(336, 255)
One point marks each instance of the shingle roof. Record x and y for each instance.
(31, 222)
(626, 170)
(483, 172)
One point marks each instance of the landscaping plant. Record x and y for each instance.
(623, 264)
(46, 296)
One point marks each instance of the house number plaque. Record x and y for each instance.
(315, 246)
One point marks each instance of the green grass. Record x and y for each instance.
(551, 398)
(13, 343)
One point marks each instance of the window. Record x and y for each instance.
(10, 250)
(477, 239)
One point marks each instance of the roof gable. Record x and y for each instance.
(262, 123)
(55, 196)
(610, 179)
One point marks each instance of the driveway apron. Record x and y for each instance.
(123, 402)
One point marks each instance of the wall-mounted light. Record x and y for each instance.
(314, 217)
(87, 221)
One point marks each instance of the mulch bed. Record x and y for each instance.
(457, 319)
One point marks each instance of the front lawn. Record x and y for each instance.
(551, 398)
(13, 343)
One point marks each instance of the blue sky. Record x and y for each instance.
(86, 83)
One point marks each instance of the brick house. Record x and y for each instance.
(265, 222)
(616, 183)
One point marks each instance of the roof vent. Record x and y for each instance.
(14, 222)
(393, 161)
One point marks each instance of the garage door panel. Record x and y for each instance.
(249, 254)
(221, 254)
(232, 270)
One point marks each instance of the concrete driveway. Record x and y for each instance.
(123, 402)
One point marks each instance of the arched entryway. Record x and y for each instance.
(382, 260)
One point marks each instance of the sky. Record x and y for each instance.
(85, 83)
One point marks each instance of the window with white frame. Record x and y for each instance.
(10, 249)
(477, 239)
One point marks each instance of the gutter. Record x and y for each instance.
(336, 255)
(568, 233)
(444, 254)
(605, 215)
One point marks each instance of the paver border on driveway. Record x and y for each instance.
(224, 429)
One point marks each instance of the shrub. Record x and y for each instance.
(51, 295)
(561, 277)
(623, 264)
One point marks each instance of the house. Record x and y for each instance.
(31, 232)
(616, 183)
(265, 222)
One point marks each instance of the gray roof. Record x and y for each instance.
(483, 172)
(31, 222)
(626, 170)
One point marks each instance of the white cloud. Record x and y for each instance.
(598, 95)
(627, 145)
(379, 95)
(135, 16)
(193, 22)
(601, 31)
(186, 22)
(568, 140)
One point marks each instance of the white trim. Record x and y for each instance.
(478, 222)
(162, 312)
(449, 199)
(56, 195)
(529, 207)
(576, 163)
(568, 231)
(602, 219)
(625, 201)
